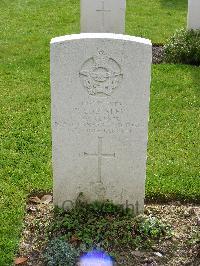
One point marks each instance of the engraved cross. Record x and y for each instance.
(100, 155)
(103, 10)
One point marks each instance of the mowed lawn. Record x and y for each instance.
(25, 144)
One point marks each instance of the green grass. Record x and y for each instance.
(25, 143)
(173, 152)
(155, 19)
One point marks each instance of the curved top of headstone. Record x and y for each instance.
(112, 36)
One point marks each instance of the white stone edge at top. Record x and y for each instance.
(112, 36)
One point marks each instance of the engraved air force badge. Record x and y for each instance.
(100, 75)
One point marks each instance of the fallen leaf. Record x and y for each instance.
(20, 260)
(35, 200)
(74, 239)
(46, 199)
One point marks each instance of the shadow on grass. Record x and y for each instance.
(174, 4)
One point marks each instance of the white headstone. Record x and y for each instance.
(193, 14)
(103, 16)
(100, 103)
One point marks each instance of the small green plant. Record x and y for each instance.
(60, 253)
(183, 47)
(105, 225)
(152, 227)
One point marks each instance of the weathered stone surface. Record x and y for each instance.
(193, 14)
(100, 103)
(103, 16)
